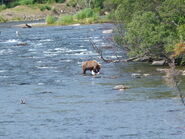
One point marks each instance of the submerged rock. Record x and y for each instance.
(107, 31)
(22, 44)
(136, 75)
(120, 87)
(158, 63)
(27, 26)
(162, 69)
(146, 74)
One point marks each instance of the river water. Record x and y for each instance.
(60, 102)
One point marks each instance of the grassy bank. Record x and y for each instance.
(54, 14)
(85, 16)
(34, 12)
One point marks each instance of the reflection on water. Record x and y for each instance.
(60, 102)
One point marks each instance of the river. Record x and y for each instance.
(41, 67)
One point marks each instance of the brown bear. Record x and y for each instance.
(93, 66)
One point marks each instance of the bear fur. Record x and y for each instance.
(93, 66)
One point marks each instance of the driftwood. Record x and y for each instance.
(100, 52)
(27, 26)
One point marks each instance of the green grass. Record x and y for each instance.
(86, 16)
(50, 19)
(65, 20)
(45, 7)
(2, 20)
(85, 13)
(26, 2)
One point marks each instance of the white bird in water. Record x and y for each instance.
(23, 101)
(17, 33)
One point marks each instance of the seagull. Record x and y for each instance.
(23, 101)
(17, 33)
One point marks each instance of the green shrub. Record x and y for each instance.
(2, 7)
(60, 1)
(12, 4)
(26, 2)
(50, 19)
(71, 3)
(85, 13)
(67, 19)
(45, 7)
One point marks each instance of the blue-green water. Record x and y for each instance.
(63, 103)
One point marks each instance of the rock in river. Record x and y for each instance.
(136, 75)
(120, 87)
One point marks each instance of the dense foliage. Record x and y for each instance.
(13, 3)
(150, 27)
(81, 4)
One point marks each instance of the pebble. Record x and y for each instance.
(120, 87)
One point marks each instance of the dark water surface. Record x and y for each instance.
(62, 103)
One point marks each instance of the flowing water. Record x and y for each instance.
(41, 67)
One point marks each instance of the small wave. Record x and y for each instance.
(6, 51)
(60, 49)
(4, 76)
(107, 31)
(78, 50)
(40, 83)
(83, 53)
(50, 54)
(97, 40)
(67, 60)
(42, 67)
(1, 71)
(46, 40)
(12, 41)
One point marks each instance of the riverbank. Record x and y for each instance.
(52, 15)
(35, 12)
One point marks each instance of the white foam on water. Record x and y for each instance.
(84, 53)
(114, 56)
(93, 37)
(39, 61)
(107, 31)
(12, 41)
(42, 67)
(97, 40)
(46, 40)
(4, 76)
(67, 60)
(37, 44)
(40, 83)
(61, 49)
(78, 50)
(32, 50)
(6, 51)
(50, 54)
(1, 71)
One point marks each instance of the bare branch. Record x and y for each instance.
(100, 52)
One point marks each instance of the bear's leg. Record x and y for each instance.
(84, 71)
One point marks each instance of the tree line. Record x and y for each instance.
(153, 28)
